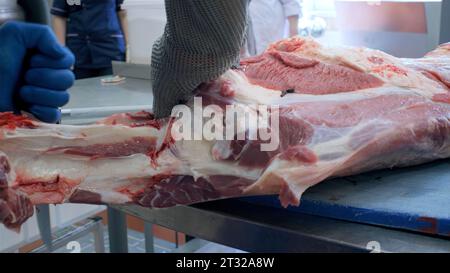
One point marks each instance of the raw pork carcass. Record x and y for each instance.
(342, 111)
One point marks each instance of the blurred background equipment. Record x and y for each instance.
(10, 10)
(313, 26)
(401, 28)
(34, 11)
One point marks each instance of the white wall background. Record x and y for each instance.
(146, 19)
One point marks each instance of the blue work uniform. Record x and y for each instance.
(93, 34)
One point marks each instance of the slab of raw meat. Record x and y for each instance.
(342, 111)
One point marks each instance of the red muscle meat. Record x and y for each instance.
(15, 207)
(340, 111)
(283, 71)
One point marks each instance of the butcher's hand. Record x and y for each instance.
(34, 71)
(202, 39)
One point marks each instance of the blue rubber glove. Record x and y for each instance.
(34, 71)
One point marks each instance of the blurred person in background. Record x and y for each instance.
(96, 31)
(272, 20)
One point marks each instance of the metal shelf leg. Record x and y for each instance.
(117, 229)
(149, 242)
(44, 224)
(99, 239)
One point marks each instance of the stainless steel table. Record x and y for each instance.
(91, 100)
(235, 223)
(256, 228)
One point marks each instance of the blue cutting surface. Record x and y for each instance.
(416, 198)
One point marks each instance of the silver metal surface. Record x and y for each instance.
(191, 246)
(44, 225)
(99, 237)
(137, 71)
(92, 93)
(99, 112)
(92, 225)
(92, 100)
(117, 229)
(149, 242)
(10, 10)
(254, 228)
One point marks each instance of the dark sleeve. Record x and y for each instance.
(60, 8)
(36, 11)
(202, 39)
(119, 4)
